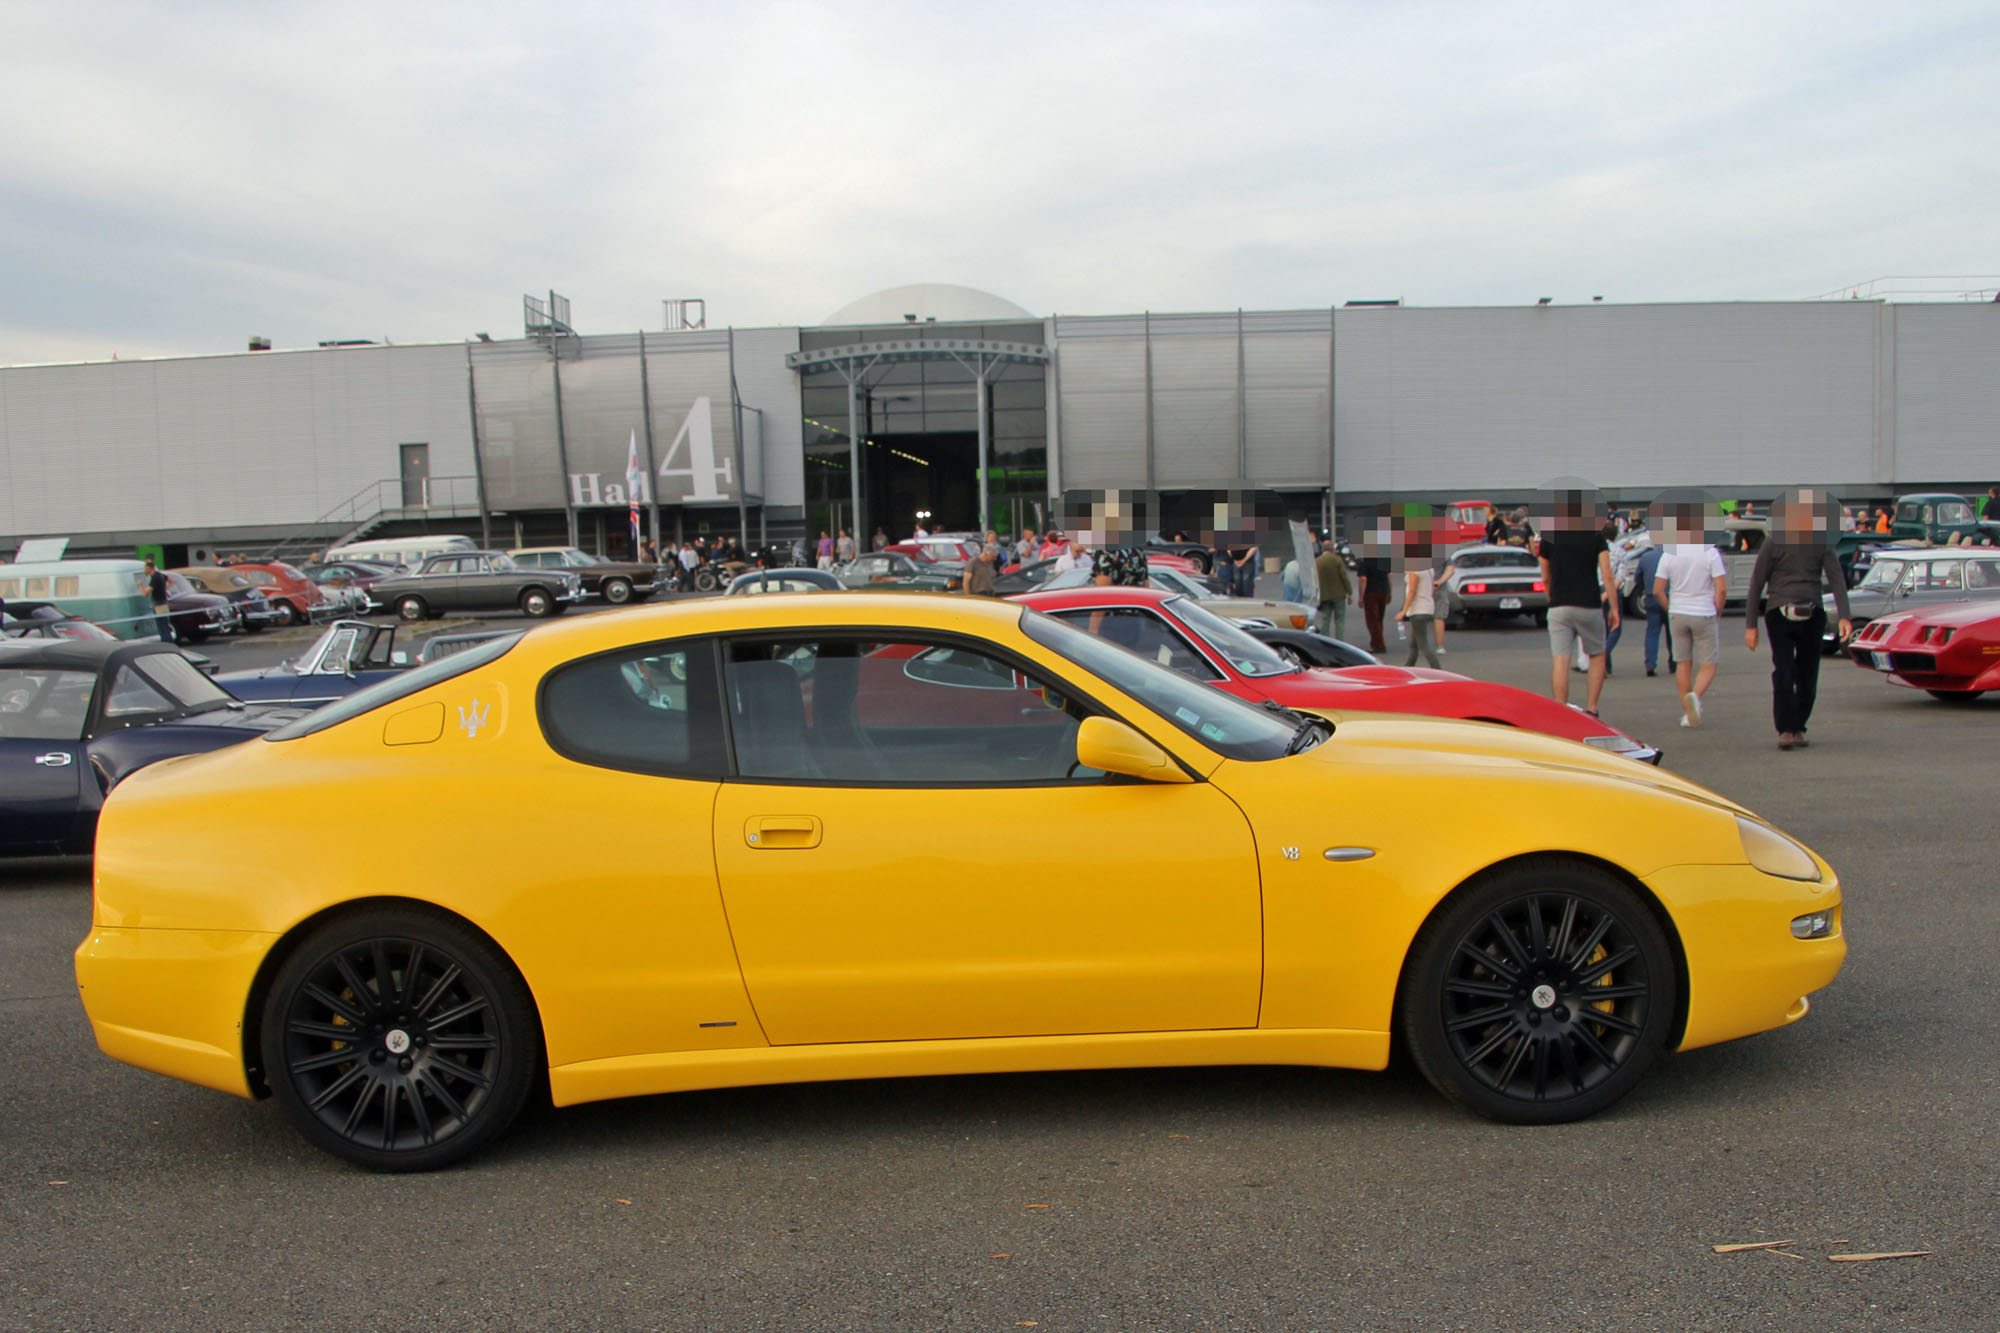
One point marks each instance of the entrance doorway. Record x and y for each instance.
(416, 475)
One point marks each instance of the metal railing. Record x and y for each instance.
(380, 502)
(1976, 288)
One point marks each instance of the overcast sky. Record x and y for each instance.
(176, 177)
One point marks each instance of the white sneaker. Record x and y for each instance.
(1690, 709)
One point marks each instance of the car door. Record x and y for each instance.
(42, 756)
(939, 868)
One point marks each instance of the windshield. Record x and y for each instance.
(1249, 656)
(1884, 574)
(1172, 580)
(1219, 721)
(394, 688)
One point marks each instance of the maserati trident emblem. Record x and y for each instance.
(474, 720)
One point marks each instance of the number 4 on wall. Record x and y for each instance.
(703, 468)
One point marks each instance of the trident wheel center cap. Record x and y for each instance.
(1543, 996)
(398, 1041)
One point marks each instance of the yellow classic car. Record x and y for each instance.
(792, 837)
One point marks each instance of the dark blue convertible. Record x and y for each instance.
(78, 715)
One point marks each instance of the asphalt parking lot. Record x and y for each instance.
(1227, 1199)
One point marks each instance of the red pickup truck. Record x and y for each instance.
(1463, 521)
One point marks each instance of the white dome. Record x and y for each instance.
(941, 301)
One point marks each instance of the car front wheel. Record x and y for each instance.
(617, 591)
(399, 1040)
(537, 604)
(411, 608)
(1540, 994)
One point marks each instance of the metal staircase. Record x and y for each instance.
(377, 505)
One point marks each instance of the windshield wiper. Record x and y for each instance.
(1311, 731)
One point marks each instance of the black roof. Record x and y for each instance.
(82, 654)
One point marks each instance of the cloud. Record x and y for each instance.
(178, 177)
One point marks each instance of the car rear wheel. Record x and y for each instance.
(705, 580)
(1955, 696)
(537, 604)
(1201, 562)
(399, 1040)
(411, 608)
(617, 591)
(1539, 995)
(288, 615)
(1541, 620)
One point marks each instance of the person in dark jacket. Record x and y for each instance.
(1794, 566)
(1656, 614)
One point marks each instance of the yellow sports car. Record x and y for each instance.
(780, 838)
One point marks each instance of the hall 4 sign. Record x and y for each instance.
(691, 455)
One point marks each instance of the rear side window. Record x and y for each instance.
(652, 709)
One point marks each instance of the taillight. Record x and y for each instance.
(1298, 622)
(1540, 586)
(1474, 589)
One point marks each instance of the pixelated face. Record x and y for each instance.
(1807, 515)
(1403, 534)
(1568, 504)
(1106, 518)
(1686, 518)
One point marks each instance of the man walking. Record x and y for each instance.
(1576, 568)
(156, 588)
(824, 551)
(1793, 566)
(1336, 591)
(1693, 584)
(843, 547)
(1373, 571)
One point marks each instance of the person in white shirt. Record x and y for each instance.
(1692, 584)
(1072, 559)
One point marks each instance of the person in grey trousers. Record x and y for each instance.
(1794, 565)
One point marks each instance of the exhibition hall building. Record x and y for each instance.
(957, 408)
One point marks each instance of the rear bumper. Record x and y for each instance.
(172, 1001)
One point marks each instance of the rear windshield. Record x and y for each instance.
(396, 687)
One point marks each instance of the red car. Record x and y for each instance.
(1951, 652)
(297, 597)
(1177, 632)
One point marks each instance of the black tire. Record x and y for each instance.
(412, 608)
(1955, 696)
(1541, 620)
(195, 636)
(288, 615)
(251, 627)
(536, 604)
(1201, 561)
(1539, 995)
(705, 580)
(399, 1040)
(617, 591)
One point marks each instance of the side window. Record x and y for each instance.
(1982, 574)
(335, 660)
(651, 709)
(859, 712)
(132, 694)
(1145, 634)
(1947, 575)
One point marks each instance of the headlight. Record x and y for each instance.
(1774, 853)
(1813, 925)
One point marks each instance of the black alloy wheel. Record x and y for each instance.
(617, 591)
(1540, 995)
(411, 608)
(535, 603)
(399, 1040)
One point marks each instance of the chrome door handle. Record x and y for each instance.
(58, 759)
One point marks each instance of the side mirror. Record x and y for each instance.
(1113, 747)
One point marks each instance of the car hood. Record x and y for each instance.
(1474, 744)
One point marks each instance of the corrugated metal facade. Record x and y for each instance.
(244, 440)
(1745, 398)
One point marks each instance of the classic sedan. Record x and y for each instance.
(477, 581)
(76, 716)
(1209, 883)
(615, 581)
(896, 567)
(1179, 633)
(194, 614)
(253, 607)
(1949, 652)
(1487, 581)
